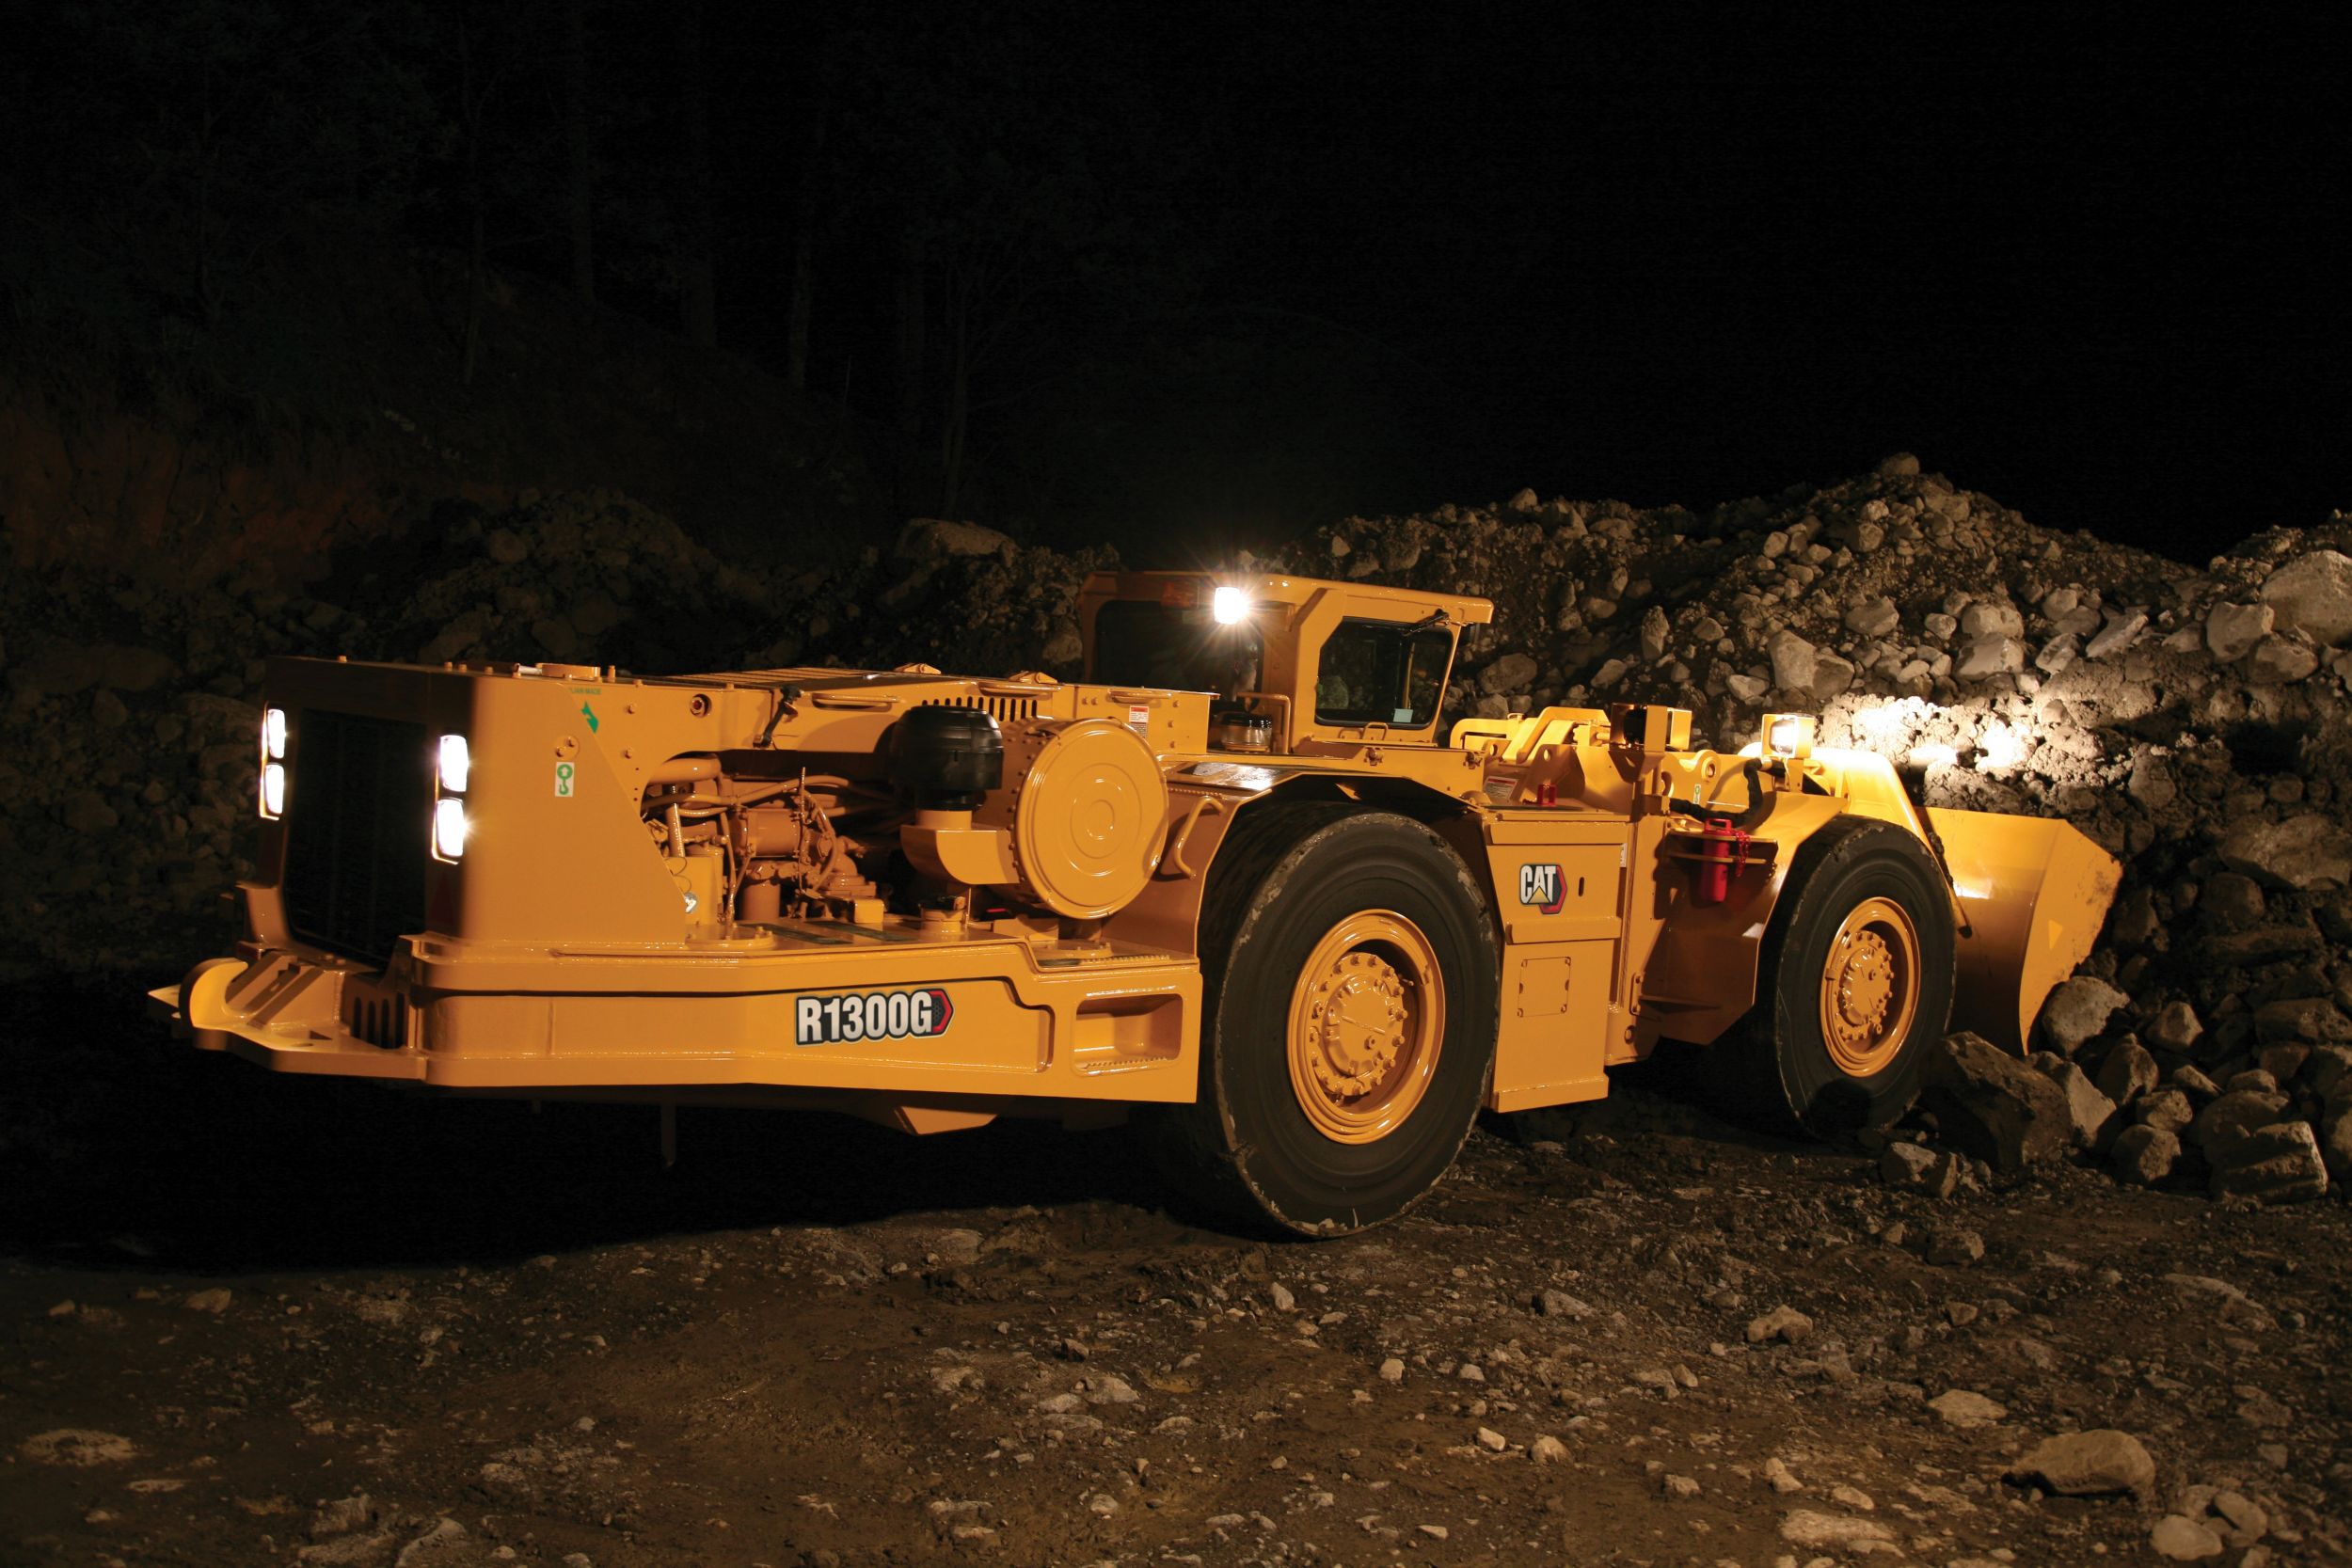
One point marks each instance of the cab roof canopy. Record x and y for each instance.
(1360, 599)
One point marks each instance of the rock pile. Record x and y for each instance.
(2194, 721)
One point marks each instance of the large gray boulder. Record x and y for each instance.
(2232, 1118)
(2122, 628)
(2328, 1072)
(2176, 1026)
(1992, 618)
(1990, 655)
(2300, 853)
(1992, 1106)
(1832, 675)
(1915, 1169)
(2312, 595)
(2128, 1072)
(2335, 1142)
(2280, 661)
(2088, 1463)
(2078, 1010)
(2166, 1109)
(1792, 661)
(2091, 1113)
(929, 540)
(2232, 630)
(2307, 1020)
(2277, 1163)
(2144, 1155)
(1511, 673)
(1875, 617)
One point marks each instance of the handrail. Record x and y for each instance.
(1212, 803)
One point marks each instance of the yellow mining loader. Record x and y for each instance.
(1237, 885)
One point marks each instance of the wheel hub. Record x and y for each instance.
(1360, 1014)
(1367, 1020)
(1870, 987)
(1868, 983)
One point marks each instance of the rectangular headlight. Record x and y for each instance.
(448, 828)
(273, 790)
(457, 762)
(274, 735)
(1788, 734)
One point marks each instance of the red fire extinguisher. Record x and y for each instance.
(1723, 855)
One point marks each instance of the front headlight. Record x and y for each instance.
(457, 762)
(1788, 734)
(448, 828)
(273, 790)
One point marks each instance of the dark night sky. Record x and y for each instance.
(1682, 253)
(1269, 265)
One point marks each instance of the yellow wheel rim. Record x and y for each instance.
(1870, 986)
(1367, 1020)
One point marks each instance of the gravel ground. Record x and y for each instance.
(258, 1322)
(255, 1321)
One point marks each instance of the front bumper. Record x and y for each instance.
(1016, 1016)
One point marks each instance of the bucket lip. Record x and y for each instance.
(2037, 890)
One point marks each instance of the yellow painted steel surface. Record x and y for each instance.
(1366, 1026)
(580, 946)
(815, 1005)
(1870, 986)
(1087, 809)
(2035, 893)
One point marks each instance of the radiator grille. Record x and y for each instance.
(358, 808)
(1003, 709)
(377, 1020)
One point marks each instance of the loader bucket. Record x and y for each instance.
(2034, 894)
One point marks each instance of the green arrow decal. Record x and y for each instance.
(590, 714)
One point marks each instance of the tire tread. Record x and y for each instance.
(1745, 1069)
(1199, 1146)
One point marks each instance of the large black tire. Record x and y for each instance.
(1780, 1066)
(1288, 877)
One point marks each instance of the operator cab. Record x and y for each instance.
(1293, 664)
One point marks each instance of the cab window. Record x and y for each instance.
(1382, 672)
(1174, 648)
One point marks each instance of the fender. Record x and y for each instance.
(1205, 801)
(1701, 977)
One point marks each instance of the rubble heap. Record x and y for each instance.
(2195, 722)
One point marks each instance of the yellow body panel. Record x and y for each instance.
(592, 937)
(1021, 1020)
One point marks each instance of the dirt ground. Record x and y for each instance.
(253, 1321)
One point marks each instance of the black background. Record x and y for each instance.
(1257, 267)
